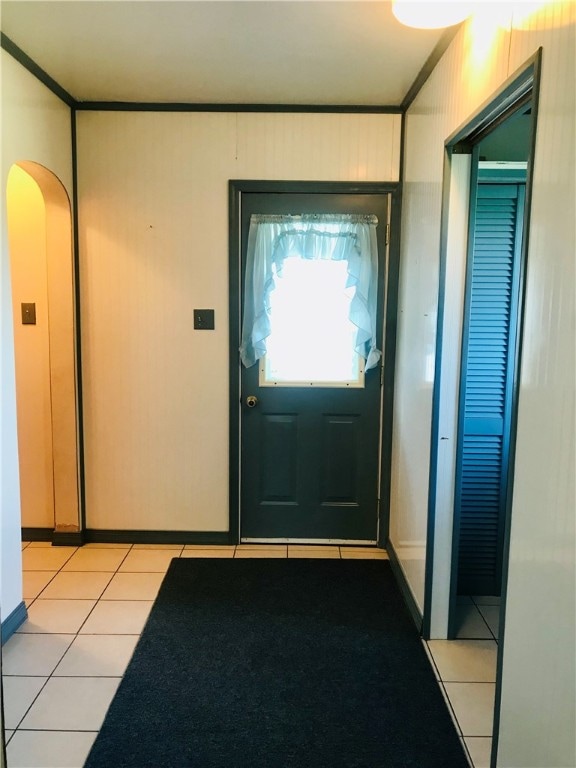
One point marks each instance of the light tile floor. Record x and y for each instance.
(86, 609)
(466, 671)
(478, 617)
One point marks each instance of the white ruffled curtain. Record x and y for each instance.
(272, 239)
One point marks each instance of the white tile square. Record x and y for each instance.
(50, 749)
(133, 586)
(34, 655)
(8, 735)
(430, 659)
(149, 560)
(309, 551)
(33, 582)
(360, 553)
(45, 558)
(464, 600)
(261, 552)
(480, 749)
(222, 553)
(361, 548)
(57, 616)
(96, 560)
(76, 586)
(72, 704)
(117, 617)
(19, 693)
(486, 599)
(491, 614)
(470, 624)
(465, 660)
(450, 710)
(473, 704)
(97, 656)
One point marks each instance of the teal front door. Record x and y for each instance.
(310, 414)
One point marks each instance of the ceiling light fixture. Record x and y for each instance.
(429, 14)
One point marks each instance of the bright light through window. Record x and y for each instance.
(312, 339)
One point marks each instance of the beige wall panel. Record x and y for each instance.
(40, 239)
(27, 242)
(537, 714)
(61, 315)
(455, 89)
(318, 147)
(35, 126)
(35, 123)
(539, 709)
(154, 246)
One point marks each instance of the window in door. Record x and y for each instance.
(299, 352)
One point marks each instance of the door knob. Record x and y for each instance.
(251, 401)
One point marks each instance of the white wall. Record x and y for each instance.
(537, 702)
(458, 85)
(538, 708)
(35, 126)
(153, 246)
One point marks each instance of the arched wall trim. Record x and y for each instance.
(58, 338)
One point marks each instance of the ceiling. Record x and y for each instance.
(313, 52)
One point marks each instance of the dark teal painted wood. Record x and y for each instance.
(36, 534)
(12, 622)
(238, 189)
(78, 322)
(91, 535)
(487, 377)
(152, 106)
(67, 539)
(22, 58)
(309, 456)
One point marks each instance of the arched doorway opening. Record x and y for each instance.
(42, 276)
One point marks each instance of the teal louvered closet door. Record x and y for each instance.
(488, 360)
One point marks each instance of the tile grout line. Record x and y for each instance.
(470, 682)
(441, 681)
(451, 709)
(76, 634)
(46, 571)
(466, 751)
(59, 660)
(432, 660)
(100, 598)
(484, 618)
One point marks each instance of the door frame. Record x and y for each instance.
(524, 84)
(236, 189)
(454, 237)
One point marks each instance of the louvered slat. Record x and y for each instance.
(480, 485)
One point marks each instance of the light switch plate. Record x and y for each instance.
(204, 319)
(28, 313)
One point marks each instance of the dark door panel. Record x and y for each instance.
(309, 455)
